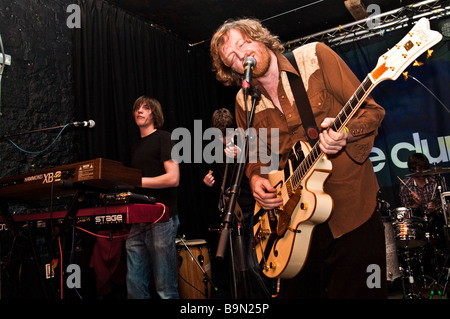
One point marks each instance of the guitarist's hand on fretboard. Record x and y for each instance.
(332, 142)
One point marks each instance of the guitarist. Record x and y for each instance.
(353, 238)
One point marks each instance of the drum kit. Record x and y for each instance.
(417, 245)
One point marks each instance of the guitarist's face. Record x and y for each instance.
(237, 47)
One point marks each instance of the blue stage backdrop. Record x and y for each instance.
(415, 121)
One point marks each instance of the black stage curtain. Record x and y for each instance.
(119, 57)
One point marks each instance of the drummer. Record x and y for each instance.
(419, 191)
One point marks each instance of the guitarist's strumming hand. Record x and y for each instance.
(264, 193)
(332, 142)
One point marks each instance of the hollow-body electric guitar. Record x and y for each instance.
(282, 236)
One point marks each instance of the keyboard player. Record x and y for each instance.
(151, 250)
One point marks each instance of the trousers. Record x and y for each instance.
(152, 250)
(352, 266)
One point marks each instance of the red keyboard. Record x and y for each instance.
(117, 214)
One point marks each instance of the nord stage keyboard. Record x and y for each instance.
(118, 214)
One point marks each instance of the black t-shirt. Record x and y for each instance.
(149, 155)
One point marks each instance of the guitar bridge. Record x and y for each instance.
(260, 235)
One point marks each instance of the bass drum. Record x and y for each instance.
(192, 283)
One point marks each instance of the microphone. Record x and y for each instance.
(249, 63)
(89, 124)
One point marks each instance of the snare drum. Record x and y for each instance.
(191, 279)
(401, 213)
(409, 231)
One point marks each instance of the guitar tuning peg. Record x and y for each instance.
(405, 75)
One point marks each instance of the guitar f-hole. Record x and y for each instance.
(280, 183)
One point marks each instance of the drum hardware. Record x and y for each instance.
(445, 269)
(435, 288)
(416, 282)
(422, 245)
(435, 285)
(424, 280)
(420, 252)
(420, 267)
(445, 197)
(201, 263)
(446, 279)
(409, 275)
(432, 171)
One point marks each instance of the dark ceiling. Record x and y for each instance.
(196, 20)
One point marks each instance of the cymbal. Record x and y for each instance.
(432, 171)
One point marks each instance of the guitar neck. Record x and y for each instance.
(338, 124)
(352, 105)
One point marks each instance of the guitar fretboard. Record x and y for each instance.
(338, 124)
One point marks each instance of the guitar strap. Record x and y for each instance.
(306, 114)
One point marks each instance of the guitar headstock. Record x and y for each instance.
(391, 64)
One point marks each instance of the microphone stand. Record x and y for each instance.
(226, 231)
